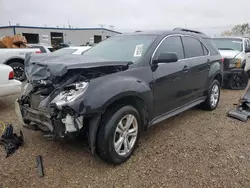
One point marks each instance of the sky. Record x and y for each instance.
(210, 16)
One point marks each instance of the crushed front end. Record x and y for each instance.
(51, 114)
(53, 98)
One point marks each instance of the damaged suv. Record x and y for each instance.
(121, 86)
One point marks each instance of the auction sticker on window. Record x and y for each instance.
(138, 50)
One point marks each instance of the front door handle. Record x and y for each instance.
(185, 68)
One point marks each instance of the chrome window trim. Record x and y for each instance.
(180, 35)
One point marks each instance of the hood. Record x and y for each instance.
(229, 53)
(49, 66)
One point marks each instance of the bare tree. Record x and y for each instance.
(240, 29)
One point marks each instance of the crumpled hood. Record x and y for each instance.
(229, 53)
(49, 66)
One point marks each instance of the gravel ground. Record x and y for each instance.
(193, 149)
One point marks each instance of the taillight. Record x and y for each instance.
(222, 60)
(38, 52)
(11, 75)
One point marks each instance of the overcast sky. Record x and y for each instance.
(211, 16)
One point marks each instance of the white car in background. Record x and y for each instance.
(77, 50)
(236, 50)
(44, 48)
(8, 85)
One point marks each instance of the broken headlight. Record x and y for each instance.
(70, 94)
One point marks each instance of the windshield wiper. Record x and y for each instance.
(225, 48)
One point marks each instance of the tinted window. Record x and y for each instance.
(171, 44)
(192, 47)
(211, 46)
(206, 52)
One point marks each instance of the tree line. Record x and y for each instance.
(238, 30)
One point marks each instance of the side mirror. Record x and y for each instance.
(247, 50)
(169, 57)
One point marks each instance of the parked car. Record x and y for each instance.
(121, 86)
(8, 85)
(236, 54)
(15, 57)
(44, 48)
(76, 50)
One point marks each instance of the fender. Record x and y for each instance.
(13, 57)
(215, 69)
(104, 91)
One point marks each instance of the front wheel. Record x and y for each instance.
(213, 96)
(118, 135)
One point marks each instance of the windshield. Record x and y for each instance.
(229, 44)
(65, 51)
(122, 48)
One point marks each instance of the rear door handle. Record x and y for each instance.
(185, 68)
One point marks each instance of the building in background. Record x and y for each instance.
(55, 36)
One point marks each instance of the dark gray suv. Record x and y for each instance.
(120, 87)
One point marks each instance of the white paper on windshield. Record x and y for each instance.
(138, 50)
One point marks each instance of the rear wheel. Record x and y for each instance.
(18, 68)
(213, 96)
(118, 135)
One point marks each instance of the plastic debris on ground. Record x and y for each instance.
(242, 112)
(10, 140)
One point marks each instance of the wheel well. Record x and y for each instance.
(14, 60)
(219, 78)
(137, 103)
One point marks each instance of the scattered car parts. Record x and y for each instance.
(10, 140)
(39, 162)
(242, 112)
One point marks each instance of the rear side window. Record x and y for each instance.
(210, 44)
(171, 44)
(192, 47)
(205, 51)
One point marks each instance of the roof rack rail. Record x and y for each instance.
(188, 30)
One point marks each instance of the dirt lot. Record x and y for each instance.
(194, 149)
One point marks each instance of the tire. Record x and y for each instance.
(238, 81)
(208, 104)
(18, 68)
(248, 73)
(108, 135)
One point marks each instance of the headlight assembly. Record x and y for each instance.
(72, 93)
(235, 63)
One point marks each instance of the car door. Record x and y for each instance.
(198, 63)
(169, 77)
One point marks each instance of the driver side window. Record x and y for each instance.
(171, 44)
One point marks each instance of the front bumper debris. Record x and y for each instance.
(47, 122)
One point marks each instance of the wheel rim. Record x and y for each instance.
(125, 134)
(214, 95)
(237, 81)
(18, 72)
